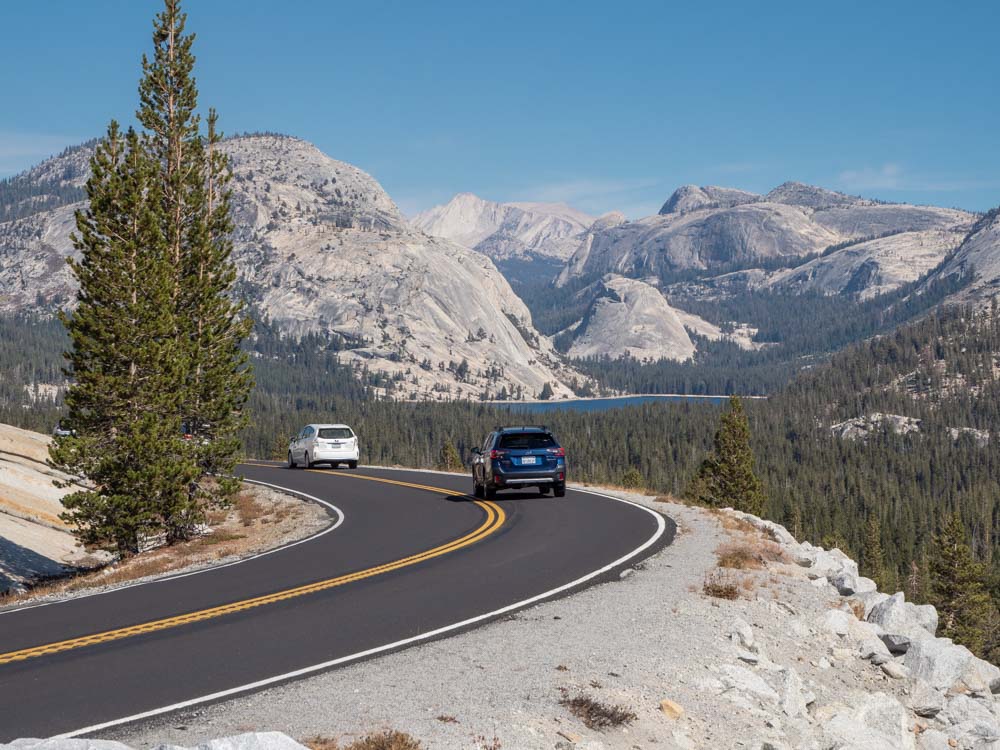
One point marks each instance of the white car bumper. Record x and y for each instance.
(335, 454)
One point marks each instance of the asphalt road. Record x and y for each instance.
(406, 563)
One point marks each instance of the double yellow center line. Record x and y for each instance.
(495, 518)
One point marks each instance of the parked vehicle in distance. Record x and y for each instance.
(331, 444)
(519, 457)
(63, 429)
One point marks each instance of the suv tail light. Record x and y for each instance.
(495, 454)
(560, 452)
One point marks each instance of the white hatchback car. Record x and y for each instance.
(324, 444)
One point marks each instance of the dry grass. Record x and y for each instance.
(731, 523)
(857, 607)
(597, 715)
(721, 586)
(321, 743)
(750, 553)
(389, 739)
(247, 508)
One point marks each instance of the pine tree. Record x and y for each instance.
(547, 392)
(872, 556)
(196, 224)
(726, 477)
(958, 588)
(449, 459)
(124, 360)
(156, 338)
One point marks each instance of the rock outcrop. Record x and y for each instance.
(630, 318)
(953, 695)
(977, 260)
(871, 267)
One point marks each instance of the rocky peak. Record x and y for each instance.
(279, 173)
(810, 196)
(503, 230)
(692, 197)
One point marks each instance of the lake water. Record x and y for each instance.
(603, 404)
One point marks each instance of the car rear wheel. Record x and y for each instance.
(477, 490)
(352, 464)
(291, 461)
(490, 492)
(560, 490)
(307, 462)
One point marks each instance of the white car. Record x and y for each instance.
(324, 444)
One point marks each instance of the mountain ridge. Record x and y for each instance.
(320, 247)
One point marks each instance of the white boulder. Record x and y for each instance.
(962, 709)
(947, 666)
(896, 616)
(848, 584)
(836, 621)
(746, 683)
(876, 722)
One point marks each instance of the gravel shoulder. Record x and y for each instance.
(654, 635)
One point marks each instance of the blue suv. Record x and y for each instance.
(516, 458)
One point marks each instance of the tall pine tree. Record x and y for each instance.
(958, 588)
(872, 556)
(171, 182)
(726, 477)
(196, 225)
(125, 361)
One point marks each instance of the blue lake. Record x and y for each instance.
(603, 404)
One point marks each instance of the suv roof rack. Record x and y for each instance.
(541, 427)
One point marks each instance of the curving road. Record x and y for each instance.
(409, 557)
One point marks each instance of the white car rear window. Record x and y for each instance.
(335, 433)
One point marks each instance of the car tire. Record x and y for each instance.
(307, 463)
(291, 461)
(352, 464)
(490, 492)
(560, 490)
(477, 490)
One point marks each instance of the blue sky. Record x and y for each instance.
(603, 105)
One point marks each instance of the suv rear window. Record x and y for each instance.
(526, 441)
(335, 433)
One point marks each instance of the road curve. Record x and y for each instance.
(413, 558)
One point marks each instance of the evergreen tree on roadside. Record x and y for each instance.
(125, 360)
(958, 588)
(872, 557)
(449, 458)
(726, 477)
(196, 226)
(157, 335)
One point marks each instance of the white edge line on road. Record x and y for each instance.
(660, 528)
(337, 511)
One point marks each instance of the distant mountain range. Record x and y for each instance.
(505, 230)
(322, 248)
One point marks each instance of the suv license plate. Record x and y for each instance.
(525, 460)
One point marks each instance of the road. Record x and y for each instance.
(411, 558)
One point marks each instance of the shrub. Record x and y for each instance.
(721, 586)
(597, 715)
(632, 479)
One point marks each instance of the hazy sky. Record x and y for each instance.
(604, 105)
